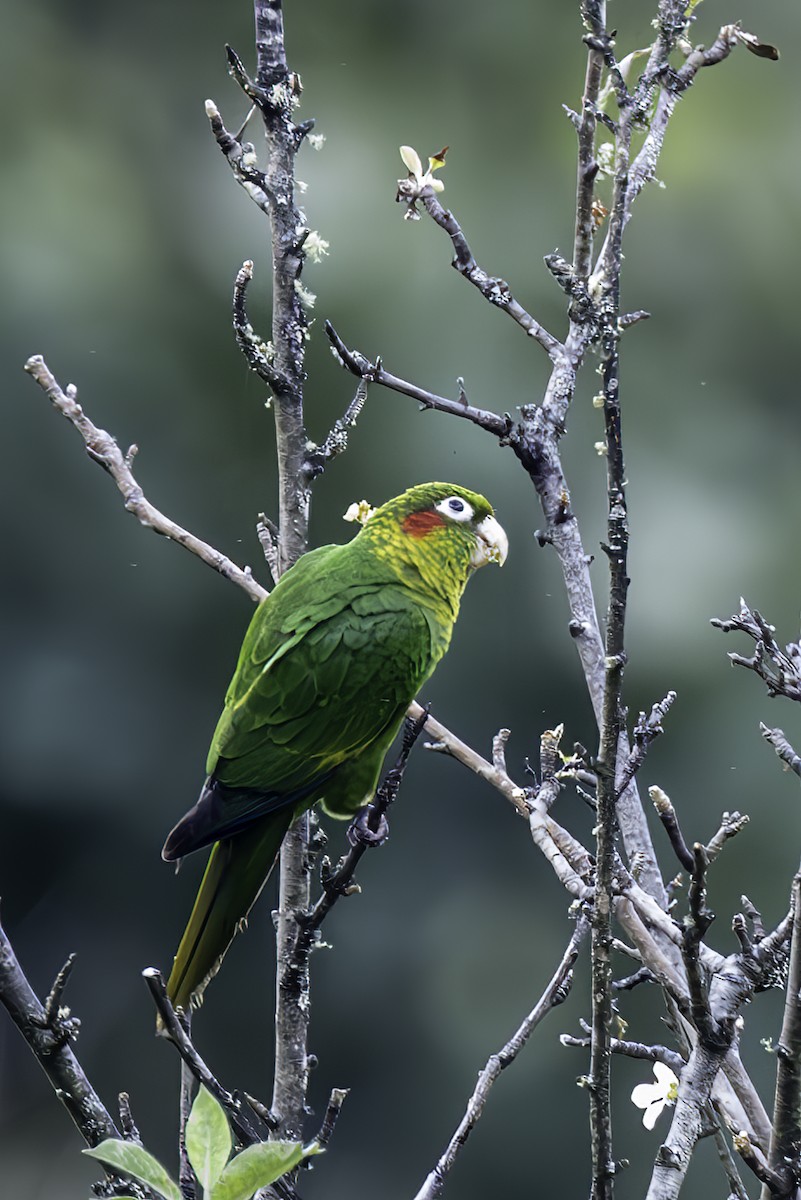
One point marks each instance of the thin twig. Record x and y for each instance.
(646, 731)
(103, 449)
(257, 353)
(638, 1050)
(448, 743)
(587, 167)
(333, 1109)
(782, 747)
(779, 669)
(553, 995)
(667, 815)
(775, 1183)
(336, 441)
(247, 1129)
(731, 823)
(363, 368)
(497, 291)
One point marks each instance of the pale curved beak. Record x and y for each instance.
(492, 544)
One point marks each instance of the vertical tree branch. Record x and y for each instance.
(276, 94)
(785, 1142)
(594, 15)
(611, 724)
(291, 1078)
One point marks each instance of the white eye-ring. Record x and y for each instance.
(455, 508)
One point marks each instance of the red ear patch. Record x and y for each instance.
(420, 524)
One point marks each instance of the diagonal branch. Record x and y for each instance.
(782, 747)
(555, 993)
(247, 1127)
(496, 290)
(103, 449)
(48, 1033)
(363, 368)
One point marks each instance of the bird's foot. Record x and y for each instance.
(368, 828)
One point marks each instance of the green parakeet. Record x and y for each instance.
(331, 661)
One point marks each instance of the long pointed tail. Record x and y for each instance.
(237, 870)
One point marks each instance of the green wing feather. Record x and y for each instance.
(317, 683)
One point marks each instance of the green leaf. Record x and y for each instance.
(135, 1161)
(208, 1139)
(258, 1166)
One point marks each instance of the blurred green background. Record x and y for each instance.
(123, 230)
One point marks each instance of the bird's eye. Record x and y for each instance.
(456, 508)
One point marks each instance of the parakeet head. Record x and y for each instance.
(440, 530)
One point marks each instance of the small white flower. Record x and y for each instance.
(653, 1097)
(360, 511)
(316, 140)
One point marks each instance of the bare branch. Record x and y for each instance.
(374, 372)
(730, 825)
(555, 993)
(448, 743)
(268, 535)
(587, 167)
(257, 353)
(247, 1128)
(103, 449)
(782, 747)
(499, 749)
(667, 815)
(646, 731)
(636, 1050)
(241, 158)
(497, 291)
(785, 1143)
(336, 441)
(48, 1032)
(333, 1109)
(752, 1157)
(779, 669)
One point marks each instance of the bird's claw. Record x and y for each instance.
(368, 828)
